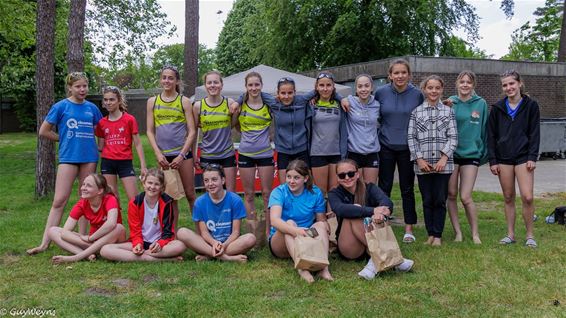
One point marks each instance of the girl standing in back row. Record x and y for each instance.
(171, 131)
(397, 100)
(513, 145)
(471, 119)
(116, 133)
(75, 119)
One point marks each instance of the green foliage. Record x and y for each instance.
(122, 30)
(305, 34)
(457, 47)
(17, 56)
(539, 41)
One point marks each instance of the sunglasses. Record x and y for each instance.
(325, 75)
(349, 174)
(286, 80)
(113, 89)
(208, 166)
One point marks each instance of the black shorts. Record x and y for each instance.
(467, 162)
(371, 160)
(249, 162)
(146, 245)
(321, 161)
(283, 159)
(271, 249)
(122, 168)
(229, 162)
(187, 156)
(513, 162)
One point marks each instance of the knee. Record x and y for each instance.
(249, 195)
(509, 198)
(466, 199)
(105, 251)
(452, 195)
(54, 232)
(291, 222)
(322, 226)
(527, 199)
(183, 233)
(59, 203)
(249, 239)
(119, 229)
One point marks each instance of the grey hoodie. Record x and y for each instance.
(362, 121)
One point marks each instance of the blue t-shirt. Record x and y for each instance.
(218, 217)
(299, 208)
(75, 125)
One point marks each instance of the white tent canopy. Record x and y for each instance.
(234, 84)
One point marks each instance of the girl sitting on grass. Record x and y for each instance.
(100, 207)
(218, 214)
(152, 234)
(295, 207)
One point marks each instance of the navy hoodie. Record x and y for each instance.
(396, 108)
(511, 139)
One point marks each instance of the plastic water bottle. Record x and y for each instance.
(550, 219)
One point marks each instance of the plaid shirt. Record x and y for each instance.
(432, 133)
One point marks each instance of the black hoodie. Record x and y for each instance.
(508, 139)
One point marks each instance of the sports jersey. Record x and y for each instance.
(218, 217)
(117, 136)
(216, 126)
(254, 125)
(170, 125)
(98, 218)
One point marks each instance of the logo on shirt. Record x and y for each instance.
(475, 117)
(106, 131)
(72, 123)
(211, 226)
(121, 129)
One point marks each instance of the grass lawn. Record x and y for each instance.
(455, 280)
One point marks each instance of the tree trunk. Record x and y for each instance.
(562, 41)
(45, 91)
(75, 37)
(191, 47)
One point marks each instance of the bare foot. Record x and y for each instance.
(60, 259)
(240, 258)
(179, 258)
(202, 258)
(37, 250)
(458, 237)
(91, 258)
(306, 275)
(436, 242)
(429, 240)
(325, 274)
(476, 240)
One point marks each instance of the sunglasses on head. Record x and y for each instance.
(111, 89)
(343, 175)
(206, 165)
(286, 80)
(325, 75)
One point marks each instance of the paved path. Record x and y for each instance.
(550, 176)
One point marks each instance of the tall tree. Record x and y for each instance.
(75, 38)
(190, 68)
(538, 41)
(44, 77)
(305, 34)
(562, 45)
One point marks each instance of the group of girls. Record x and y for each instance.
(324, 142)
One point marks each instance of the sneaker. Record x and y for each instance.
(405, 266)
(369, 271)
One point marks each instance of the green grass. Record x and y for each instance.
(456, 280)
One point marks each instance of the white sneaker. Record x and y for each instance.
(405, 266)
(369, 271)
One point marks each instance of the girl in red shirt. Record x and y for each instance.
(100, 207)
(151, 219)
(116, 133)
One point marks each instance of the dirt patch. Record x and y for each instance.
(123, 282)
(97, 291)
(276, 295)
(150, 278)
(10, 258)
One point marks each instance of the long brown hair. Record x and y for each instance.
(516, 76)
(179, 85)
(324, 74)
(123, 106)
(360, 193)
(402, 62)
(303, 169)
(248, 76)
(101, 183)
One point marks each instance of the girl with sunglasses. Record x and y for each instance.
(116, 133)
(171, 131)
(352, 201)
(75, 119)
(218, 215)
(296, 206)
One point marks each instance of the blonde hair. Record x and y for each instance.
(73, 77)
(430, 78)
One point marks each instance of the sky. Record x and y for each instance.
(495, 30)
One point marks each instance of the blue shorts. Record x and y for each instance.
(122, 168)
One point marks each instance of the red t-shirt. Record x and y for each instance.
(96, 220)
(117, 136)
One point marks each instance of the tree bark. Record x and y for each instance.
(190, 68)
(45, 91)
(562, 45)
(75, 36)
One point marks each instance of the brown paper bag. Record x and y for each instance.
(383, 247)
(173, 184)
(332, 242)
(310, 253)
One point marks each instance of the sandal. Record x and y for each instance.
(408, 238)
(506, 241)
(530, 242)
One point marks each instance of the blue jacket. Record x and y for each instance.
(396, 108)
